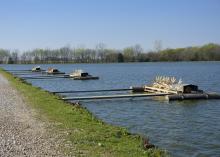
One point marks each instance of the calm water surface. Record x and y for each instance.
(187, 128)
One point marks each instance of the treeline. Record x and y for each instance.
(209, 52)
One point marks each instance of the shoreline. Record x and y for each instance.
(211, 61)
(90, 135)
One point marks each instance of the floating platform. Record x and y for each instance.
(167, 96)
(81, 75)
(54, 71)
(145, 91)
(163, 88)
(85, 78)
(93, 91)
(37, 69)
(191, 96)
(114, 96)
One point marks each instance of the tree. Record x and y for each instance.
(14, 57)
(4, 55)
(120, 58)
(158, 45)
(129, 54)
(138, 50)
(65, 54)
(100, 51)
(102, 54)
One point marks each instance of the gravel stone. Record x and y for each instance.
(21, 134)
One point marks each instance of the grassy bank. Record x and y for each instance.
(90, 136)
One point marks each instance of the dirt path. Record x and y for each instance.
(21, 134)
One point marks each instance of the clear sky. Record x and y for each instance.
(28, 24)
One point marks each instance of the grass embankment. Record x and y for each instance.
(90, 136)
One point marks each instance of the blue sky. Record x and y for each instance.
(28, 24)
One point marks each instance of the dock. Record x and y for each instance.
(167, 88)
(198, 96)
(114, 96)
(93, 91)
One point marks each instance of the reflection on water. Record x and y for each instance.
(187, 128)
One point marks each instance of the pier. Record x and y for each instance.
(168, 88)
(114, 96)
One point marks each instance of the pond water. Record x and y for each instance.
(183, 128)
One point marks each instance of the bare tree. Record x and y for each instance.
(158, 45)
(100, 51)
(14, 56)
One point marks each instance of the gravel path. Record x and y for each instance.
(21, 134)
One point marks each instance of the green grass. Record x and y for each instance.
(89, 135)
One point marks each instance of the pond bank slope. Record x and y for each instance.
(74, 131)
